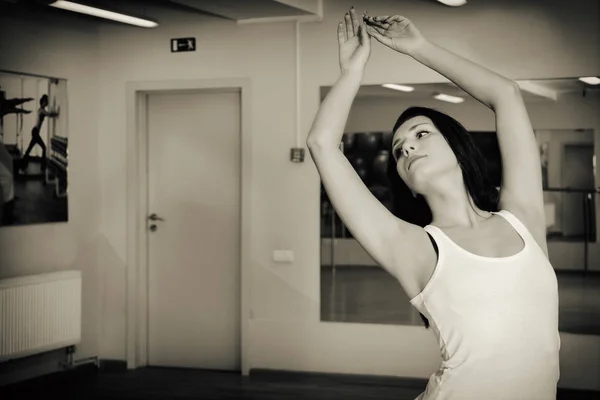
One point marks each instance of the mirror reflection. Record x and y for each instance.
(563, 113)
(33, 149)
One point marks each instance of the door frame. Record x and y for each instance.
(137, 209)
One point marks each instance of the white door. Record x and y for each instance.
(194, 185)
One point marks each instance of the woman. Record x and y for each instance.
(473, 261)
(36, 138)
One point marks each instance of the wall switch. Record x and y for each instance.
(283, 256)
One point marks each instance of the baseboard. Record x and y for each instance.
(356, 379)
(107, 365)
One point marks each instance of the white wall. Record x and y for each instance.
(557, 39)
(63, 48)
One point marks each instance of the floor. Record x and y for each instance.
(35, 200)
(371, 295)
(171, 383)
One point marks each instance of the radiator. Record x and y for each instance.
(39, 313)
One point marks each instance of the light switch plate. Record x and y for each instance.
(283, 256)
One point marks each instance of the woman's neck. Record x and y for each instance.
(470, 219)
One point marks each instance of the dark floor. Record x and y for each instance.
(35, 200)
(171, 383)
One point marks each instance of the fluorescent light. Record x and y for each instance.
(591, 80)
(98, 12)
(398, 87)
(453, 3)
(448, 98)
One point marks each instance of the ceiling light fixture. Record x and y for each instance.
(591, 80)
(453, 3)
(398, 87)
(99, 12)
(448, 98)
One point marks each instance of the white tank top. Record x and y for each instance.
(496, 322)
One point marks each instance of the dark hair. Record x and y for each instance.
(470, 159)
(44, 98)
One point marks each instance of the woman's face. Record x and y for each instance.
(418, 137)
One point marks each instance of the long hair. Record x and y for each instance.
(470, 159)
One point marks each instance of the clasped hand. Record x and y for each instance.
(354, 34)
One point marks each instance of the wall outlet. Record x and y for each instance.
(283, 256)
(297, 154)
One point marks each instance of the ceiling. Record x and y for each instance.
(256, 11)
(241, 11)
(244, 9)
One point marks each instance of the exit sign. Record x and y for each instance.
(183, 44)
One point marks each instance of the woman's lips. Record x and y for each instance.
(415, 159)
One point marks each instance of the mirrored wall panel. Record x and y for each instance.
(564, 115)
(34, 149)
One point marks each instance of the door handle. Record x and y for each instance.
(154, 217)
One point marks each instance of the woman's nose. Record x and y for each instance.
(407, 148)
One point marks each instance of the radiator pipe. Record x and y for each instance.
(83, 361)
(72, 363)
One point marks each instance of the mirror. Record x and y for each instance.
(563, 113)
(33, 149)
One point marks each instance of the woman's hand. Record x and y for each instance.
(396, 32)
(354, 43)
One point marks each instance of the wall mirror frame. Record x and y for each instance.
(564, 116)
(34, 149)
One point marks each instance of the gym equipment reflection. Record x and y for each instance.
(33, 149)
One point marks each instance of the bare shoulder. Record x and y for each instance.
(414, 258)
(535, 224)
